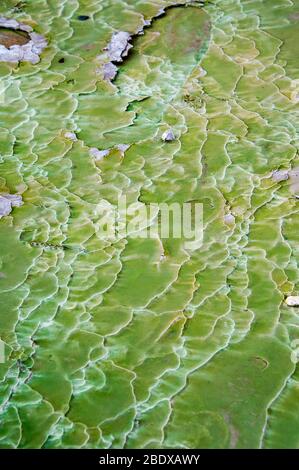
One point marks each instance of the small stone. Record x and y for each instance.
(109, 71)
(98, 154)
(71, 136)
(280, 175)
(168, 135)
(123, 147)
(229, 219)
(292, 301)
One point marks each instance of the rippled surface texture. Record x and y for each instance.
(139, 344)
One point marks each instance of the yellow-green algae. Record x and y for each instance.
(111, 345)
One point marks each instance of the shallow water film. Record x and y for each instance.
(129, 341)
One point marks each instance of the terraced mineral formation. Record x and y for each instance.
(144, 342)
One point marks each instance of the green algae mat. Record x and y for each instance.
(149, 342)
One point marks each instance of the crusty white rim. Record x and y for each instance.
(29, 52)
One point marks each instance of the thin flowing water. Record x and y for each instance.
(142, 342)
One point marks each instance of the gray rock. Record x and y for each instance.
(28, 52)
(71, 136)
(280, 175)
(119, 46)
(8, 201)
(109, 71)
(168, 136)
(123, 147)
(229, 219)
(292, 301)
(98, 154)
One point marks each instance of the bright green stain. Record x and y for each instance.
(108, 344)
